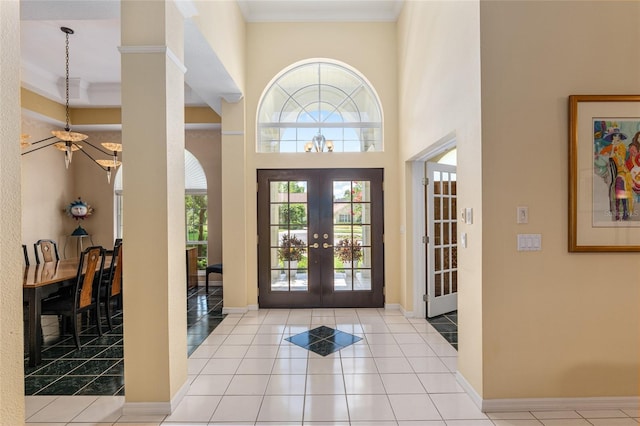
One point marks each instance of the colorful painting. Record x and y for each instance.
(604, 173)
(616, 186)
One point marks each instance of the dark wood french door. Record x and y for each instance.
(320, 238)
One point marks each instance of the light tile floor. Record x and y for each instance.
(401, 373)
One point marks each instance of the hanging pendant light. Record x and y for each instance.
(67, 140)
(67, 135)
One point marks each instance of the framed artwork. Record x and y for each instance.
(604, 173)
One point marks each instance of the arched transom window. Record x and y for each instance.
(319, 106)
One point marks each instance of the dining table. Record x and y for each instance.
(39, 282)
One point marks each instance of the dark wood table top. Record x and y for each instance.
(52, 272)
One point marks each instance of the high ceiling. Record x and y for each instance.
(94, 59)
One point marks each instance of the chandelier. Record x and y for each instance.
(67, 140)
(318, 144)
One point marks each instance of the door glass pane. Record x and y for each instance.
(453, 207)
(275, 192)
(445, 208)
(446, 289)
(288, 236)
(454, 257)
(351, 235)
(445, 233)
(454, 232)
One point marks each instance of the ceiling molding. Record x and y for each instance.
(96, 62)
(320, 10)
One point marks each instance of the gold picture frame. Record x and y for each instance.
(604, 173)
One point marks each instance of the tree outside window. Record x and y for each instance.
(196, 223)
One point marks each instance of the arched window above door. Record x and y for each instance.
(319, 105)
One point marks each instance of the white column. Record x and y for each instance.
(155, 328)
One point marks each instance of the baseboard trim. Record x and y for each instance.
(470, 390)
(407, 314)
(230, 310)
(155, 408)
(546, 404)
(253, 307)
(392, 306)
(573, 404)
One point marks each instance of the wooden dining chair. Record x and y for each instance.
(26, 255)
(84, 296)
(111, 288)
(48, 249)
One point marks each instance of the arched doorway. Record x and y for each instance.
(196, 214)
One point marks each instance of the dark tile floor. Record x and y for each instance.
(98, 368)
(447, 326)
(323, 340)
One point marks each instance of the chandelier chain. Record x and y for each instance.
(67, 128)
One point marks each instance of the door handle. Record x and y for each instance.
(326, 245)
(314, 245)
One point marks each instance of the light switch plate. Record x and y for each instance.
(522, 215)
(529, 242)
(468, 215)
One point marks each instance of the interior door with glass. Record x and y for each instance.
(320, 240)
(442, 249)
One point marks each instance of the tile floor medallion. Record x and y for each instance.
(323, 340)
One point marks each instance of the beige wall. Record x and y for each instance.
(532, 325)
(47, 189)
(439, 97)
(371, 50)
(222, 25)
(549, 316)
(91, 184)
(205, 145)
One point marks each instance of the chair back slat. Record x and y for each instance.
(116, 271)
(92, 257)
(48, 249)
(26, 255)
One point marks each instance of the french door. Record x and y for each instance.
(442, 250)
(320, 238)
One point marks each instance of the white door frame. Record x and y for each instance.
(419, 249)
